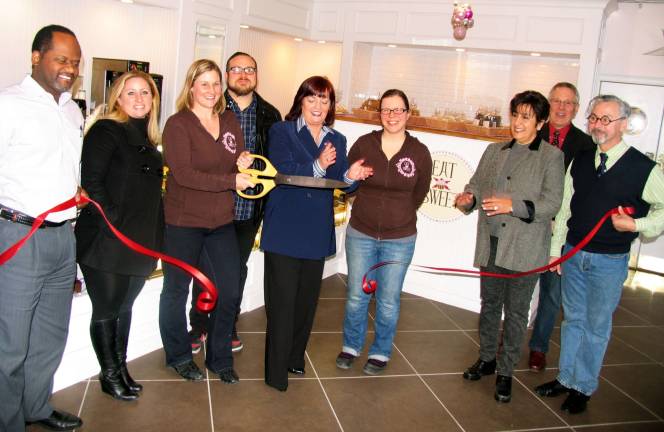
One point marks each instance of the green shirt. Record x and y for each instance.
(653, 193)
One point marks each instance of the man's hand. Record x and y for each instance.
(81, 193)
(557, 268)
(623, 222)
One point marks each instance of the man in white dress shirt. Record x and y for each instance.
(41, 132)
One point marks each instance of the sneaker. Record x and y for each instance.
(374, 366)
(236, 344)
(189, 371)
(197, 340)
(345, 360)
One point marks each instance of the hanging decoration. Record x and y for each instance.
(462, 20)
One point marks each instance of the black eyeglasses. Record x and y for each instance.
(605, 120)
(397, 111)
(249, 70)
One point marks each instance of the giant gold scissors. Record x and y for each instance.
(270, 178)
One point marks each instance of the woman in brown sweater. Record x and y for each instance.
(383, 228)
(203, 146)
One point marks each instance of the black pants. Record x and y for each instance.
(292, 286)
(110, 293)
(245, 232)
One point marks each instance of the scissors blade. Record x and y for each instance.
(312, 182)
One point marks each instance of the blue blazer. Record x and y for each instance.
(299, 221)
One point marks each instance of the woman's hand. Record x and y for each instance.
(495, 206)
(558, 268)
(245, 160)
(358, 171)
(328, 156)
(81, 193)
(243, 181)
(464, 201)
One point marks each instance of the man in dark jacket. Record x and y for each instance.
(256, 116)
(559, 131)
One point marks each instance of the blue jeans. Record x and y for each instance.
(592, 284)
(550, 299)
(361, 253)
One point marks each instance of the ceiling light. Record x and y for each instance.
(244, 26)
(212, 36)
(460, 50)
(321, 41)
(534, 54)
(391, 46)
(297, 39)
(127, 1)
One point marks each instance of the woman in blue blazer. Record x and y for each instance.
(298, 227)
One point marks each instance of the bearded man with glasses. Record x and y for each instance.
(615, 175)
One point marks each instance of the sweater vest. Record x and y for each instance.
(621, 185)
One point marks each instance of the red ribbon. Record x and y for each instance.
(208, 296)
(369, 286)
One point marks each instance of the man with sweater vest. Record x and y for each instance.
(560, 132)
(615, 175)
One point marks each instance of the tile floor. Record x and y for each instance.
(422, 390)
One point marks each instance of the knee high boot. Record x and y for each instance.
(122, 338)
(103, 335)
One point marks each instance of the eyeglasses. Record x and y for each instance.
(249, 70)
(397, 111)
(565, 103)
(605, 120)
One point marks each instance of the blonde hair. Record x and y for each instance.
(198, 68)
(116, 113)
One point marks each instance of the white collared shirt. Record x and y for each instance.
(40, 149)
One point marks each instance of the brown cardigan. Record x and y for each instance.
(386, 203)
(201, 171)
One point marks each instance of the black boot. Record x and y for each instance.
(103, 335)
(124, 324)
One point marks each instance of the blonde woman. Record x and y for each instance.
(121, 169)
(203, 147)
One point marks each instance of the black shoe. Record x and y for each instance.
(229, 376)
(551, 389)
(575, 403)
(189, 371)
(296, 371)
(103, 334)
(503, 388)
(479, 369)
(59, 421)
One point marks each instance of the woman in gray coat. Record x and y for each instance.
(518, 188)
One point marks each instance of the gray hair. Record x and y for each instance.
(567, 85)
(624, 108)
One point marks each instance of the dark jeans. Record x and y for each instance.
(245, 231)
(514, 296)
(187, 245)
(550, 301)
(292, 286)
(110, 293)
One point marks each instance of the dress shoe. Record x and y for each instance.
(296, 371)
(503, 388)
(575, 403)
(537, 361)
(59, 421)
(479, 369)
(345, 360)
(229, 376)
(189, 371)
(551, 389)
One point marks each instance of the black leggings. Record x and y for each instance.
(111, 293)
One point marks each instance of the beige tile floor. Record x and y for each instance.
(422, 389)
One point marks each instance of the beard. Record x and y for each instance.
(241, 91)
(599, 137)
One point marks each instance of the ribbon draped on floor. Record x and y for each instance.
(206, 300)
(370, 285)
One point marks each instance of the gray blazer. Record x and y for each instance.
(536, 179)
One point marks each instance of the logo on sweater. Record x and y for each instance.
(449, 175)
(406, 167)
(229, 142)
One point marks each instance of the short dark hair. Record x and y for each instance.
(44, 38)
(534, 100)
(317, 86)
(238, 54)
(395, 92)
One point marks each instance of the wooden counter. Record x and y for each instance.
(356, 119)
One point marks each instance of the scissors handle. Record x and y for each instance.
(268, 183)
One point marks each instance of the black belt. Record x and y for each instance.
(18, 217)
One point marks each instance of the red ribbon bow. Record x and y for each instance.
(369, 286)
(207, 298)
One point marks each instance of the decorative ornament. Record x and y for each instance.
(462, 20)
